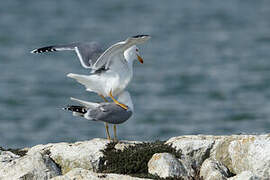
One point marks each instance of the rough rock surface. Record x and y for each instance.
(213, 170)
(166, 165)
(225, 157)
(82, 174)
(6, 157)
(244, 153)
(85, 154)
(251, 154)
(125, 144)
(245, 175)
(37, 166)
(196, 148)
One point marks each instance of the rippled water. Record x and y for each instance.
(206, 70)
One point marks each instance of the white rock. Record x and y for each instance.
(85, 154)
(6, 157)
(121, 145)
(251, 154)
(166, 165)
(244, 155)
(82, 174)
(36, 167)
(197, 148)
(213, 170)
(245, 175)
(220, 150)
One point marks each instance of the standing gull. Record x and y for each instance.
(111, 71)
(107, 112)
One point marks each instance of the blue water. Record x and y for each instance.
(206, 70)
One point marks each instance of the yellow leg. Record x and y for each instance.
(114, 132)
(103, 97)
(106, 124)
(118, 103)
(107, 131)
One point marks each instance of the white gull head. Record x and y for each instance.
(132, 53)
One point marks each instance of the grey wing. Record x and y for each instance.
(105, 58)
(88, 53)
(112, 113)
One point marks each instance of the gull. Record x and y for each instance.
(111, 71)
(107, 112)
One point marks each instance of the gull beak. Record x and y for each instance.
(140, 59)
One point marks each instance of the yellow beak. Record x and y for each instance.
(140, 59)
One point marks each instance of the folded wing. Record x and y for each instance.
(86, 103)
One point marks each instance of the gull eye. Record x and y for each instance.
(137, 50)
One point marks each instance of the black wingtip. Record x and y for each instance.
(141, 35)
(78, 109)
(34, 51)
(44, 49)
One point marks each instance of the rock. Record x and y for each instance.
(220, 150)
(213, 170)
(245, 175)
(36, 166)
(196, 148)
(82, 174)
(166, 165)
(251, 154)
(121, 145)
(7, 157)
(247, 156)
(85, 154)
(236, 152)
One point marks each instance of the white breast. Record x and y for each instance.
(118, 76)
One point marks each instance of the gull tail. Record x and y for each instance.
(83, 79)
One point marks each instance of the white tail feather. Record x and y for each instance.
(85, 103)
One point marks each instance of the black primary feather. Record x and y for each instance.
(78, 109)
(141, 35)
(44, 49)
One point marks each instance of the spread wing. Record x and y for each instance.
(118, 50)
(88, 53)
(106, 57)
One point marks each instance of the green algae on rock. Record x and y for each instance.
(133, 160)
